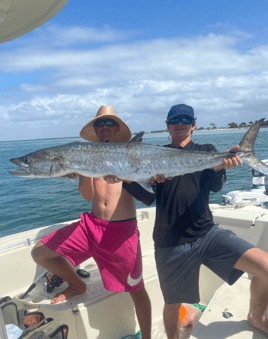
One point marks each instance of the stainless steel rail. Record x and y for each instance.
(29, 241)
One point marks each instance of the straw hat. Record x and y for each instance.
(88, 131)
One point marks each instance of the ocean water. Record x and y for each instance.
(28, 203)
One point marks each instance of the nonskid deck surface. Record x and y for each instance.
(213, 325)
(94, 293)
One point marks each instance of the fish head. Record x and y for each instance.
(39, 164)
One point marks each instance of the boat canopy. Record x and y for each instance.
(19, 17)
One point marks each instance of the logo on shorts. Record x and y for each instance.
(133, 282)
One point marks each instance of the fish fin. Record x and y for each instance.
(253, 162)
(70, 177)
(137, 137)
(246, 144)
(147, 186)
(58, 158)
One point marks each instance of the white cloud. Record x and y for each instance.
(140, 79)
(65, 36)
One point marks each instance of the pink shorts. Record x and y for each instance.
(114, 245)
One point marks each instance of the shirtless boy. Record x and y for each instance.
(109, 233)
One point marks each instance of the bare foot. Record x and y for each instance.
(261, 324)
(69, 292)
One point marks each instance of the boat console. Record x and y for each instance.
(257, 195)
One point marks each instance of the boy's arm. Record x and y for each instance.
(86, 187)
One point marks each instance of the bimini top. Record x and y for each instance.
(18, 17)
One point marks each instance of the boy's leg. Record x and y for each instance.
(143, 310)
(61, 267)
(255, 262)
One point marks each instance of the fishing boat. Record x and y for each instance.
(102, 314)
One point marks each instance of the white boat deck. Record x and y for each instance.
(100, 314)
(213, 325)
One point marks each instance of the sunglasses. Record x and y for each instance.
(107, 122)
(176, 120)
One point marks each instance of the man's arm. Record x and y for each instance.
(139, 192)
(229, 163)
(217, 178)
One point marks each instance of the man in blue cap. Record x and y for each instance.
(180, 114)
(186, 236)
(181, 110)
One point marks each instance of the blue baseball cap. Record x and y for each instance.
(180, 109)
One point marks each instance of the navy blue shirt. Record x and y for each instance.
(182, 204)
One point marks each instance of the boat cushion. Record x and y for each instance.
(14, 312)
(53, 329)
(34, 324)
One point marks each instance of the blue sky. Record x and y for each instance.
(140, 57)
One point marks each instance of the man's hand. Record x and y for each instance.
(229, 163)
(159, 178)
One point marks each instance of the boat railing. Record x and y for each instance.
(29, 241)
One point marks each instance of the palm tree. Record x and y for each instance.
(232, 125)
(213, 125)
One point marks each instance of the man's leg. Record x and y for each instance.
(62, 268)
(143, 310)
(171, 316)
(255, 262)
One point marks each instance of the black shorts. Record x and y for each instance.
(178, 267)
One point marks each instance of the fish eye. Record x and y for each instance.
(26, 160)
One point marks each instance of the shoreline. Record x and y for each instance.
(156, 133)
(204, 130)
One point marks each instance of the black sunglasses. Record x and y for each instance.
(176, 120)
(107, 122)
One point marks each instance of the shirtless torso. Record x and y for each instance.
(109, 202)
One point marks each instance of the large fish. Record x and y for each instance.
(133, 161)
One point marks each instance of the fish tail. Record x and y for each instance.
(246, 144)
(246, 147)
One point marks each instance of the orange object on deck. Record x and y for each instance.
(189, 315)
